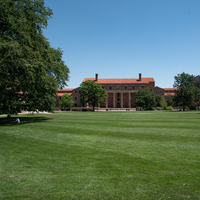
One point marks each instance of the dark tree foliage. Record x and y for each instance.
(187, 93)
(30, 70)
(169, 100)
(145, 98)
(158, 100)
(92, 93)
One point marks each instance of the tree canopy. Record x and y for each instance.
(66, 101)
(31, 70)
(92, 93)
(145, 98)
(158, 100)
(187, 93)
(169, 100)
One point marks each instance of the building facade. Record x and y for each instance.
(121, 92)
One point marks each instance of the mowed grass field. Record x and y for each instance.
(101, 155)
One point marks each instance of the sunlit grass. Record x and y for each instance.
(101, 155)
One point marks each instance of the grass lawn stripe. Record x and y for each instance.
(101, 155)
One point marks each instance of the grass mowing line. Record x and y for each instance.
(131, 133)
(122, 136)
(82, 145)
(153, 170)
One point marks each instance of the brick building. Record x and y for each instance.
(169, 91)
(121, 92)
(60, 93)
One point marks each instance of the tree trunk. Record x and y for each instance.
(8, 116)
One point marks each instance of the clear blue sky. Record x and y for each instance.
(122, 38)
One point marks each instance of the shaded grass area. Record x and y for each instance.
(101, 155)
(9, 121)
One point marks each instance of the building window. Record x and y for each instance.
(160, 91)
(75, 98)
(110, 87)
(118, 87)
(125, 87)
(75, 105)
(142, 86)
(75, 91)
(133, 87)
(60, 97)
(102, 86)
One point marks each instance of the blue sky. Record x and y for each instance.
(122, 38)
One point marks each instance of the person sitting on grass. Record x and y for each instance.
(17, 121)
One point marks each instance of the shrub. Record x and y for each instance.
(82, 109)
(158, 108)
(139, 108)
(87, 109)
(76, 109)
(152, 108)
(67, 109)
(168, 107)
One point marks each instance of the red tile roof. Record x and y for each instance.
(171, 93)
(65, 90)
(61, 94)
(170, 89)
(121, 81)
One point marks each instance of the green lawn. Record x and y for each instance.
(101, 155)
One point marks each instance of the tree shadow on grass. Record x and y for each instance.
(23, 120)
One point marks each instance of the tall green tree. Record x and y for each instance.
(145, 98)
(92, 93)
(31, 70)
(187, 93)
(158, 100)
(169, 100)
(66, 101)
